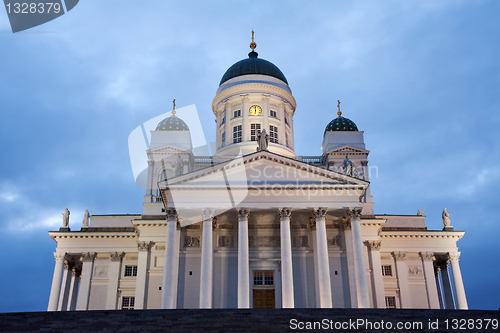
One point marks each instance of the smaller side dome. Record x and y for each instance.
(341, 124)
(172, 123)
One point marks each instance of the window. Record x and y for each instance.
(386, 270)
(223, 138)
(390, 301)
(263, 278)
(272, 113)
(237, 113)
(286, 119)
(273, 134)
(237, 134)
(128, 303)
(254, 130)
(223, 119)
(130, 270)
(286, 139)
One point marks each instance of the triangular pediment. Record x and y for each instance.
(347, 150)
(263, 169)
(167, 149)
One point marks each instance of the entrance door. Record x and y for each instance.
(263, 290)
(263, 299)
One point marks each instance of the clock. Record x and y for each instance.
(255, 110)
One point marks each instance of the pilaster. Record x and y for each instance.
(430, 281)
(142, 271)
(402, 274)
(87, 260)
(377, 278)
(114, 276)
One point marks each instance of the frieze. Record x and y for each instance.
(333, 240)
(264, 226)
(264, 241)
(300, 241)
(225, 241)
(190, 241)
(225, 226)
(300, 226)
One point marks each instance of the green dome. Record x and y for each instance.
(172, 123)
(341, 124)
(253, 65)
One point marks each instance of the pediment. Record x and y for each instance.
(348, 150)
(167, 149)
(263, 169)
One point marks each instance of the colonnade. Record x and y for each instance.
(170, 272)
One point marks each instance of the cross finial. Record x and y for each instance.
(173, 111)
(253, 44)
(338, 105)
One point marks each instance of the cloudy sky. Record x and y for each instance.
(421, 78)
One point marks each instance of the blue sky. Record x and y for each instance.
(421, 78)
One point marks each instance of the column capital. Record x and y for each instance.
(427, 255)
(244, 98)
(373, 245)
(87, 256)
(265, 98)
(243, 213)
(68, 264)
(151, 162)
(144, 246)
(319, 212)
(59, 256)
(312, 223)
(453, 256)
(214, 223)
(285, 212)
(354, 212)
(76, 271)
(401, 255)
(116, 256)
(171, 214)
(207, 214)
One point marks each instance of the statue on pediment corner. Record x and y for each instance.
(420, 212)
(85, 222)
(446, 218)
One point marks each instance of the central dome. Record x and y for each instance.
(253, 65)
(172, 123)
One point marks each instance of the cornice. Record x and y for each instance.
(232, 91)
(422, 234)
(92, 235)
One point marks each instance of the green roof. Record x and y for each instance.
(341, 124)
(253, 65)
(172, 123)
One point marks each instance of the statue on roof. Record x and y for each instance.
(420, 212)
(446, 218)
(85, 222)
(262, 140)
(65, 218)
(348, 167)
(177, 166)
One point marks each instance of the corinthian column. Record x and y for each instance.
(457, 280)
(65, 287)
(430, 281)
(359, 258)
(114, 276)
(245, 135)
(325, 289)
(87, 260)
(171, 266)
(56, 281)
(445, 275)
(243, 260)
(402, 273)
(286, 258)
(206, 276)
(378, 281)
(73, 290)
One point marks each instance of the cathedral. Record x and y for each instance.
(255, 225)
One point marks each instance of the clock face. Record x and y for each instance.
(255, 110)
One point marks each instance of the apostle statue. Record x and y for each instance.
(349, 167)
(446, 219)
(65, 218)
(262, 140)
(85, 221)
(177, 165)
(420, 212)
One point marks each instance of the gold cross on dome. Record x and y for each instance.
(338, 105)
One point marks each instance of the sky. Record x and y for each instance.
(421, 78)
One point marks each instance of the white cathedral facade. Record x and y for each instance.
(255, 225)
